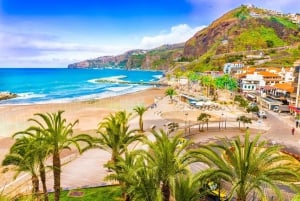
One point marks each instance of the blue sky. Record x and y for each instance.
(54, 33)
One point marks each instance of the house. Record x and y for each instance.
(280, 92)
(228, 68)
(252, 82)
(295, 98)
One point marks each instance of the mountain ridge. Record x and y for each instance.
(245, 28)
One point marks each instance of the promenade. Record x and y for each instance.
(88, 170)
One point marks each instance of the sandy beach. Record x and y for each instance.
(14, 118)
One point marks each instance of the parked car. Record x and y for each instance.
(262, 114)
(252, 104)
(215, 193)
(276, 109)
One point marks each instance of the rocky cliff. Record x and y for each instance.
(158, 58)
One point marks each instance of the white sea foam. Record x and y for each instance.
(109, 93)
(157, 76)
(29, 95)
(104, 94)
(116, 79)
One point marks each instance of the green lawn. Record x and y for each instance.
(110, 193)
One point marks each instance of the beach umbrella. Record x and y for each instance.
(193, 102)
(208, 103)
(199, 103)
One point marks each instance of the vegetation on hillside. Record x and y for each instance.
(284, 58)
(242, 13)
(136, 60)
(257, 38)
(285, 21)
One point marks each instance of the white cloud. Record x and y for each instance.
(41, 42)
(43, 50)
(177, 34)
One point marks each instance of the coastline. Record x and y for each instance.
(89, 113)
(14, 118)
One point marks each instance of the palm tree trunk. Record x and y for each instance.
(166, 191)
(43, 180)
(56, 175)
(35, 184)
(141, 124)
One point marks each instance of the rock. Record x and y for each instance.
(7, 95)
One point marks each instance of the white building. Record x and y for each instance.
(229, 67)
(288, 75)
(252, 82)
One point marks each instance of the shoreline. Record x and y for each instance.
(88, 112)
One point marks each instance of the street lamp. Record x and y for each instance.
(165, 128)
(186, 115)
(222, 120)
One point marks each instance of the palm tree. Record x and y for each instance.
(186, 188)
(139, 181)
(169, 158)
(207, 81)
(38, 149)
(115, 135)
(244, 119)
(58, 134)
(170, 92)
(24, 160)
(242, 102)
(172, 126)
(204, 118)
(249, 166)
(140, 110)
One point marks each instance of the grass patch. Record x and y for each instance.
(285, 22)
(257, 38)
(108, 193)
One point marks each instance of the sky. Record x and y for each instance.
(55, 33)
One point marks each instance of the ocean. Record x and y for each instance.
(59, 85)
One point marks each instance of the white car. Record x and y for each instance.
(262, 114)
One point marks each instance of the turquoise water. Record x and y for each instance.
(57, 85)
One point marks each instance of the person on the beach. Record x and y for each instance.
(293, 131)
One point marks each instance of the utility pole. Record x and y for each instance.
(185, 128)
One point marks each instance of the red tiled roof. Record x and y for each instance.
(285, 87)
(268, 74)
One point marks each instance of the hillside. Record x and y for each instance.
(248, 34)
(158, 58)
(245, 34)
